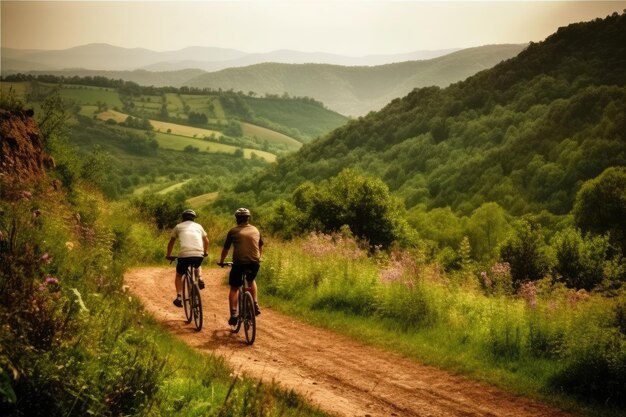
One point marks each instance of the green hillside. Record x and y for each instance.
(286, 121)
(356, 90)
(524, 134)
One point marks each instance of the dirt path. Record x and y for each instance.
(333, 372)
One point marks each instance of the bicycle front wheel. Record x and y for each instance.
(196, 304)
(187, 286)
(249, 319)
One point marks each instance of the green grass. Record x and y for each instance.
(405, 305)
(271, 136)
(172, 187)
(88, 111)
(175, 106)
(85, 95)
(202, 200)
(179, 143)
(19, 89)
(82, 345)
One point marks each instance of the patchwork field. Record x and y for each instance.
(270, 135)
(202, 200)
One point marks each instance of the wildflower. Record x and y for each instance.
(36, 213)
(45, 258)
(69, 245)
(26, 195)
(486, 280)
(1, 236)
(51, 281)
(528, 292)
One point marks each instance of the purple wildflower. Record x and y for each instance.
(528, 292)
(45, 258)
(51, 281)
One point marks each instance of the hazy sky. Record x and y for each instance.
(344, 27)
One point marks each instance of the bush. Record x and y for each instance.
(164, 210)
(595, 370)
(526, 252)
(580, 262)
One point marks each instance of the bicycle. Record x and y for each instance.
(192, 302)
(247, 314)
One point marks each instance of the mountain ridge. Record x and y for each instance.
(103, 56)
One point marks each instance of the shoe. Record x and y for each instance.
(178, 302)
(232, 320)
(257, 310)
(200, 283)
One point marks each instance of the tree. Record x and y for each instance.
(526, 252)
(487, 228)
(580, 262)
(362, 203)
(600, 205)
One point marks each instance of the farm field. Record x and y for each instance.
(179, 143)
(86, 95)
(202, 200)
(270, 135)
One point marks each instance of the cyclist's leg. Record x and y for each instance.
(253, 270)
(197, 262)
(181, 267)
(234, 280)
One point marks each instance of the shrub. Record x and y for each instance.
(526, 252)
(164, 210)
(580, 262)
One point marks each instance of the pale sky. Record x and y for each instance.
(345, 27)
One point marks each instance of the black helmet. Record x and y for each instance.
(242, 212)
(189, 214)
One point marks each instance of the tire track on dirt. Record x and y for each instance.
(337, 374)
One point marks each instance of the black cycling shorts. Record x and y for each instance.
(235, 278)
(183, 263)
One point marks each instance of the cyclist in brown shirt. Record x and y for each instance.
(247, 248)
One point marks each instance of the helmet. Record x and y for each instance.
(242, 212)
(189, 214)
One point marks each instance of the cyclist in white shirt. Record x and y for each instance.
(194, 245)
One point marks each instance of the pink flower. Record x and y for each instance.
(51, 281)
(36, 213)
(45, 258)
(528, 292)
(26, 195)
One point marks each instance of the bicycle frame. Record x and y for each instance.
(192, 302)
(246, 313)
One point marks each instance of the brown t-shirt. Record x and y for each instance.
(247, 243)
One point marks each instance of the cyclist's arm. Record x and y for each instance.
(205, 244)
(224, 254)
(170, 246)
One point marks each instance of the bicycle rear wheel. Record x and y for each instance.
(187, 285)
(249, 319)
(196, 304)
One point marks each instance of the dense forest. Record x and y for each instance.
(525, 134)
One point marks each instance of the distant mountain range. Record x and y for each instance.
(337, 81)
(356, 90)
(114, 58)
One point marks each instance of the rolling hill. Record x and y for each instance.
(100, 56)
(333, 80)
(356, 90)
(525, 134)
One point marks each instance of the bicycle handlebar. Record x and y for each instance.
(223, 264)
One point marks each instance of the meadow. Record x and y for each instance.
(545, 340)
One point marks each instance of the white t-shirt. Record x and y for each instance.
(190, 235)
